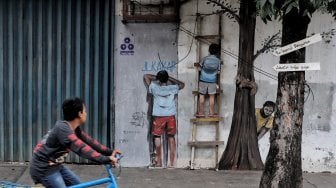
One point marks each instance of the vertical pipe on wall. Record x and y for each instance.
(38, 56)
(29, 46)
(10, 72)
(96, 67)
(58, 57)
(67, 41)
(49, 77)
(44, 69)
(87, 58)
(110, 95)
(2, 124)
(75, 51)
(19, 86)
(77, 41)
(105, 69)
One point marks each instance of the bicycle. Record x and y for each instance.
(110, 179)
(8, 184)
(112, 183)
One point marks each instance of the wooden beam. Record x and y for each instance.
(205, 143)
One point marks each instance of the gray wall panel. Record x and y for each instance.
(51, 50)
(2, 133)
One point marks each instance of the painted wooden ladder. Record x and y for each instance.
(201, 42)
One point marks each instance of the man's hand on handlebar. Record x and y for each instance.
(115, 157)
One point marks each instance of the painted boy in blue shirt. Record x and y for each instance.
(164, 111)
(209, 69)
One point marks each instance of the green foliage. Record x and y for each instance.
(271, 43)
(328, 35)
(276, 9)
(227, 8)
(279, 8)
(332, 7)
(266, 10)
(291, 4)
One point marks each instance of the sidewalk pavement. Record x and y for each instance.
(167, 178)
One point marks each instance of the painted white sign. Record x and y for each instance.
(296, 67)
(297, 45)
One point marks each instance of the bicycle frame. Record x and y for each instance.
(110, 179)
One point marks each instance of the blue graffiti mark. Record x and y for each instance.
(155, 66)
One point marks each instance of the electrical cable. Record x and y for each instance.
(240, 60)
(192, 34)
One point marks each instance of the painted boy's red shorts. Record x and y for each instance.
(162, 124)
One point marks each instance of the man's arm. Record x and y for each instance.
(148, 78)
(175, 81)
(69, 139)
(93, 143)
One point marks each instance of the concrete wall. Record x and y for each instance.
(155, 48)
(318, 148)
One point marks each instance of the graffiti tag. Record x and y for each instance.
(127, 48)
(131, 132)
(138, 119)
(123, 141)
(156, 66)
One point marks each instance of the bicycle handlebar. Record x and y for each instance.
(118, 156)
(110, 179)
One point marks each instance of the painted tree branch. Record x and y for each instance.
(268, 45)
(225, 9)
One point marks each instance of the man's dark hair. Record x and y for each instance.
(269, 103)
(214, 49)
(162, 76)
(71, 107)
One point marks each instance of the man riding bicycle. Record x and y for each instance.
(49, 154)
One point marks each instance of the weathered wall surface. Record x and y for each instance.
(318, 146)
(139, 49)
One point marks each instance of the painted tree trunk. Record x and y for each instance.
(283, 167)
(242, 150)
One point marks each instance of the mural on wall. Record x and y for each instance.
(127, 48)
(162, 128)
(265, 118)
